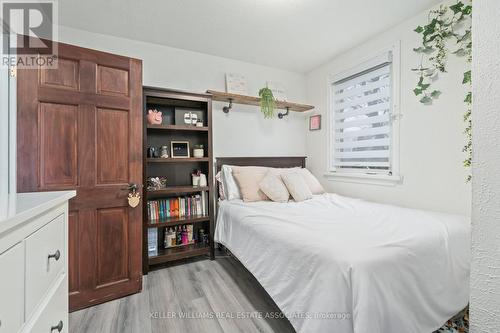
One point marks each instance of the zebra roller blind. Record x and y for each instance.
(361, 124)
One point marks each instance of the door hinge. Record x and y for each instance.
(13, 71)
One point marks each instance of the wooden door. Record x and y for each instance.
(80, 127)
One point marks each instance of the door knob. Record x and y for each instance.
(132, 187)
(58, 327)
(56, 255)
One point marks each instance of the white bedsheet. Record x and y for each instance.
(390, 269)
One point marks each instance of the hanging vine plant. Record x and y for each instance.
(267, 102)
(448, 25)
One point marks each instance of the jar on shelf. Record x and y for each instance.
(164, 152)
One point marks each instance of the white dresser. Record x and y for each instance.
(34, 263)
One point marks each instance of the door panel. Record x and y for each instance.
(112, 146)
(58, 146)
(112, 81)
(65, 77)
(80, 127)
(112, 240)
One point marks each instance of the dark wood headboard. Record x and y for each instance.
(272, 162)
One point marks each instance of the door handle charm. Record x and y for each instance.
(133, 197)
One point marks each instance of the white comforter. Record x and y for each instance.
(365, 267)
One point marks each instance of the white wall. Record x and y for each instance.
(431, 137)
(242, 132)
(485, 280)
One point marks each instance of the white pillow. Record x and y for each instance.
(274, 188)
(312, 181)
(231, 189)
(296, 185)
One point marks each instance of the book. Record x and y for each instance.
(152, 242)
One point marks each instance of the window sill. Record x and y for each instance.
(364, 178)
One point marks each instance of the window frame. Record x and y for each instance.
(393, 176)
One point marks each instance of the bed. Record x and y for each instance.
(338, 264)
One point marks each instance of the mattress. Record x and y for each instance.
(338, 264)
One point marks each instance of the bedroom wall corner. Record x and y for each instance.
(485, 284)
(431, 137)
(242, 132)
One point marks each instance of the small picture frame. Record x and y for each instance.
(315, 122)
(179, 149)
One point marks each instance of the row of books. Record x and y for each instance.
(189, 206)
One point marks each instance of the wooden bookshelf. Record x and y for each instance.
(177, 170)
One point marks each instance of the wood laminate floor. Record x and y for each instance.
(221, 288)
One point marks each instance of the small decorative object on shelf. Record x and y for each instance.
(157, 183)
(154, 117)
(153, 152)
(164, 152)
(198, 151)
(180, 149)
(202, 236)
(199, 123)
(278, 90)
(196, 177)
(188, 117)
(315, 122)
(236, 83)
(203, 180)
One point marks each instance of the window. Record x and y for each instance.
(362, 133)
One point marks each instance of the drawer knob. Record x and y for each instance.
(58, 327)
(56, 255)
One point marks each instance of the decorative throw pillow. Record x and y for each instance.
(296, 186)
(231, 189)
(312, 181)
(273, 187)
(248, 179)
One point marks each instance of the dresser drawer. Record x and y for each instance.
(55, 314)
(12, 289)
(45, 260)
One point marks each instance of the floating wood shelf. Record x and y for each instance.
(251, 100)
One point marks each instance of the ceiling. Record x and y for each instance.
(296, 35)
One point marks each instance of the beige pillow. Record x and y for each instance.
(273, 187)
(297, 186)
(248, 179)
(312, 182)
